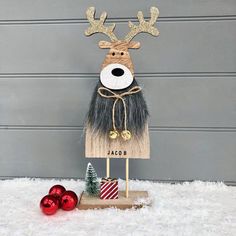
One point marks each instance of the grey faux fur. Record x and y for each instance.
(99, 117)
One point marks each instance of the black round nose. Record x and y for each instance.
(117, 72)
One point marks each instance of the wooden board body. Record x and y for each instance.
(87, 202)
(97, 146)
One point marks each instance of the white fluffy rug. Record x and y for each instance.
(198, 208)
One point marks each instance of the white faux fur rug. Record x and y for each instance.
(198, 208)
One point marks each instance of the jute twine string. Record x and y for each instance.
(118, 97)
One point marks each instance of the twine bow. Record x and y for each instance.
(118, 97)
(112, 180)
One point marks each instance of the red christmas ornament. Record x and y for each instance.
(49, 204)
(57, 190)
(69, 200)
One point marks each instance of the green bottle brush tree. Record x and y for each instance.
(91, 181)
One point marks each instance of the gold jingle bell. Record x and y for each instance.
(126, 135)
(113, 134)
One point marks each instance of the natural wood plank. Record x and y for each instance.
(87, 202)
(127, 177)
(114, 55)
(97, 146)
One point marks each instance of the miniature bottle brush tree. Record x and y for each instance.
(116, 125)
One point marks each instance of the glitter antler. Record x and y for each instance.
(97, 26)
(144, 26)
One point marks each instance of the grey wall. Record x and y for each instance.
(48, 69)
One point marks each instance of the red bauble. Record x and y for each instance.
(57, 190)
(69, 200)
(49, 204)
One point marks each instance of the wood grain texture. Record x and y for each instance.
(86, 202)
(119, 53)
(97, 146)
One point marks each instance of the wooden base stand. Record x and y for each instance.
(136, 199)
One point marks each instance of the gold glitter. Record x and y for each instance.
(97, 26)
(144, 26)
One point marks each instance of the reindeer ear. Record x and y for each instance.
(134, 45)
(104, 44)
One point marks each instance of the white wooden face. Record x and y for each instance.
(116, 76)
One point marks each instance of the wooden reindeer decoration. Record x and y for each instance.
(116, 124)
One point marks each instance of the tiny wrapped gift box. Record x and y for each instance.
(109, 188)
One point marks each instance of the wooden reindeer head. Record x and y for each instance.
(117, 69)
